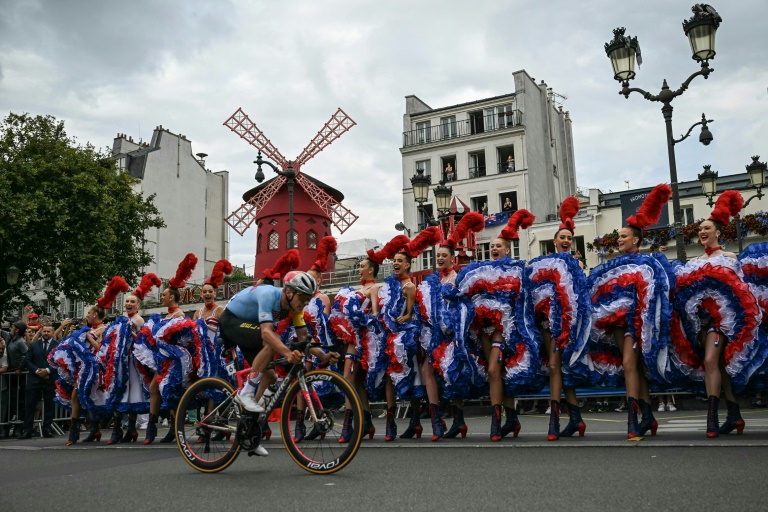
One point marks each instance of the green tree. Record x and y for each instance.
(69, 215)
(238, 275)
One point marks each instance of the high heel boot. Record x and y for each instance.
(346, 427)
(391, 427)
(733, 420)
(131, 434)
(300, 430)
(632, 409)
(554, 421)
(438, 428)
(170, 437)
(314, 434)
(151, 429)
(117, 433)
(94, 434)
(713, 425)
(414, 426)
(74, 431)
(512, 424)
(368, 428)
(575, 422)
(458, 426)
(496, 424)
(649, 422)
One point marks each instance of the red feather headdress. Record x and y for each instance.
(221, 268)
(650, 211)
(287, 262)
(472, 221)
(427, 238)
(184, 271)
(728, 205)
(116, 286)
(390, 249)
(325, 248)
(568, 210)
(147, 282)
(520, 219)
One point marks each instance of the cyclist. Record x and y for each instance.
(248, 321)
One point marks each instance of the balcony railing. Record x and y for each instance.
(506, 166)
(477, 172)
(456, 129)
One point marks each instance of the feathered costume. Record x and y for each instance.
(754, 267)
(632, 293)
(556, 289)
(711, 294)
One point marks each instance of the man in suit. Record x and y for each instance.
(40, 381)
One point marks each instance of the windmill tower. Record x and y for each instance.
(316, 206)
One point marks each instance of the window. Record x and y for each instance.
(425, 214)
(273, 222)
(424, 132)
(428, 259)
(426, 166)
(295, 239)
(274, 240)
(311, 240)
(490, 120)
(506, 159)
(484, 251)
(259, 246)
(476, 124)
(688, 217)
(479, 204)
(508, 201)
(515, 247)
(448, 127)
(449, 168)
(477, 164)
(506, 116)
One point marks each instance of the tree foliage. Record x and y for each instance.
(69, 215)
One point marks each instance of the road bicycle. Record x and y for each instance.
(212, 442)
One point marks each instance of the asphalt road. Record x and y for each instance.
(679, 469)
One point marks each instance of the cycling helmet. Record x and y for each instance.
(301, 282)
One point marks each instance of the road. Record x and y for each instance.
(677, 469)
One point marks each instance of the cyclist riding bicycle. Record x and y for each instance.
(248, 321)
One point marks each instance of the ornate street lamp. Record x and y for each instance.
(623, 50)
(290, 179)
(443, 197)
(420, 185)
(756, 171)
(708, 180)
(12, 274)
(701, 29)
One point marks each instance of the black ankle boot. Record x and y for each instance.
(151, 429)
(458, 426)
(733, 420)
(713, 425)
(437, 422)
(554, 421)
(512, 424)
(131, 434)
(414, 426)
(575, 423)
(74, 431)
(632, 410)
(649, 422)
(117, 434)
(94, 434)
(496, 424)
(368, 428)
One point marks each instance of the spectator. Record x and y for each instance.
(16, 351)
(3, 388)
(449, 174)
(507, 206)
(41, 382)
(510, 164)
(484, 209)
(31, 319)
(669, 405)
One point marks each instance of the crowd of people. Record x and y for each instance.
(493, 329)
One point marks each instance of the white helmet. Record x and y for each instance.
(301, 282)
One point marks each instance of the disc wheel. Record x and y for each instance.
(202, 445)
(324, 454)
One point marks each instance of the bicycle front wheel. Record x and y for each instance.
(324, 454)
(205, 424)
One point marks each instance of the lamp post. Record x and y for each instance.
(623, 50)
(755, 170)
(290, 177)
(420, 184)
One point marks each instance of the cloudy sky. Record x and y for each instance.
(106, 67)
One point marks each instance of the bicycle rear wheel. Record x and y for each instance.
(324, 454)
(209, 443)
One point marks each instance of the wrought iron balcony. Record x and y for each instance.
(466, 128)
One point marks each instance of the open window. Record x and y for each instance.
(448, 164)
(506, 159)
(477, 164)
(425, 213)
(479, 204)
(476, 122)
(426, 166)
(508, 201)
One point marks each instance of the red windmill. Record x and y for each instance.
(316, 205)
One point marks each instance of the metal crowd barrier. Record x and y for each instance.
(12, 404)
